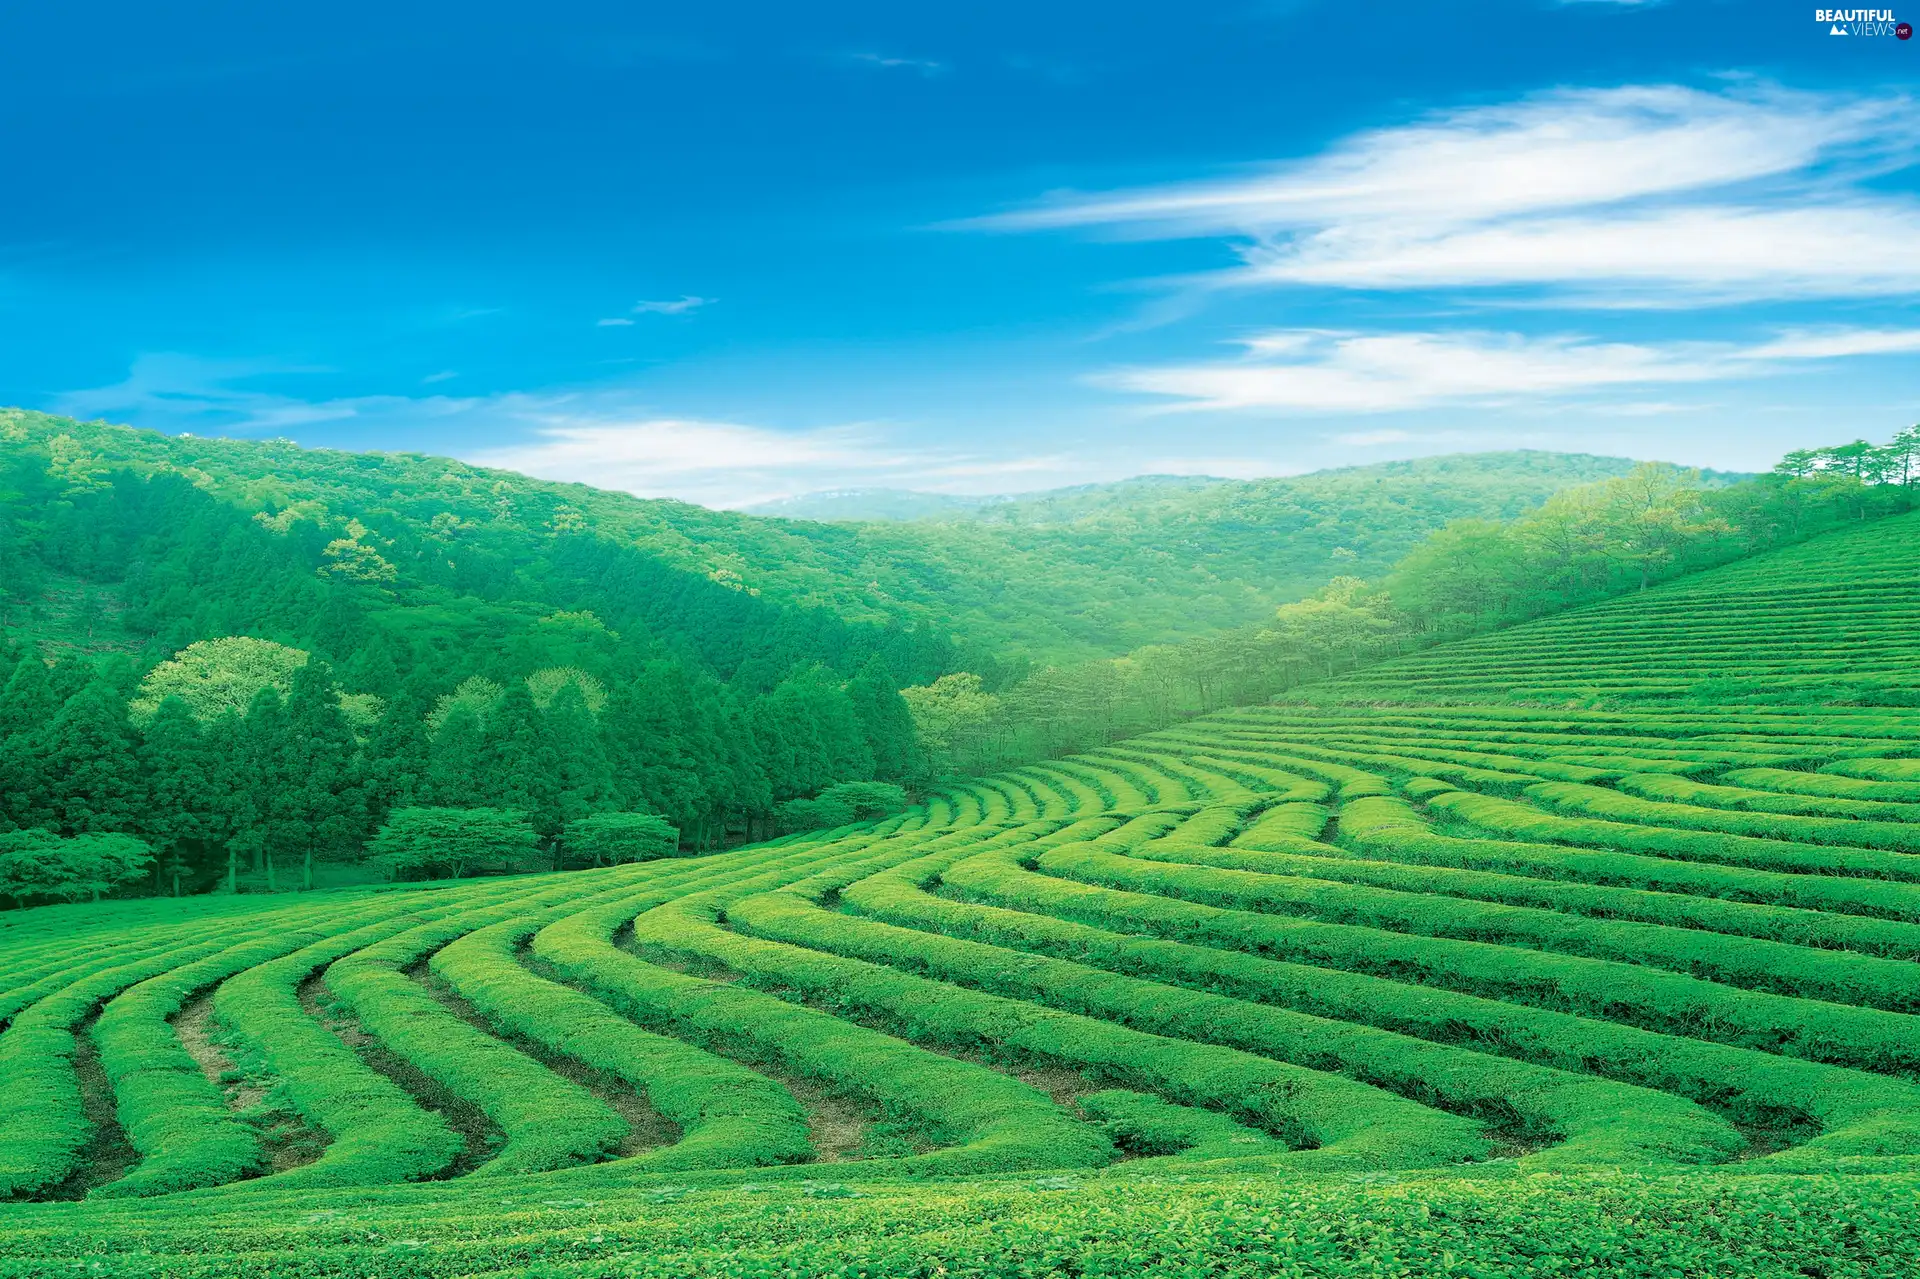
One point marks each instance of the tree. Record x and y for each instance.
(323, 804)
(613, 839)
(230, 789)
(885, 721)
(454, 840)
(584, 777)
(180, 816)
(38, 863)
(809, 735)
(456, 759)
(842, 805)
(218, 675)
(90, 765)
(952, 716)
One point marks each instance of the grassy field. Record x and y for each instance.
(1617, 978)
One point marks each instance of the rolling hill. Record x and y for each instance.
(1834, 619)
(1349, 987)
(1083, 573)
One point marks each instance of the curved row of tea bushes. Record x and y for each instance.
(729, 1116)
(1861, 1112)
(1458, 945)
(993, 1123)
(1853, 835)
(376, 1132)
(173, 1115)
(1510, 818)
(1629, 887)
(44, 1127)
(1747, 799)
(1344, 1124)
(1122, 979)
(547, 1121)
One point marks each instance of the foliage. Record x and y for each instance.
(453, 840)
(842, 805)
(40, 864)
(1582, 545)
(215, 676)
(613, 839)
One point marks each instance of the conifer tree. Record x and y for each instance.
(885, 721)
(266, 782)
(456, 776)
(179, 818)
(90, 765)
(324, 805)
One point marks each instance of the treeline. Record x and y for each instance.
(242, 758)
(1583, 545)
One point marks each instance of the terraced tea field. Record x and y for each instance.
(1832, 619)
(1355, 989)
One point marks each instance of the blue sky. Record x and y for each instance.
(728, 251)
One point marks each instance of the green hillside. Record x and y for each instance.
(1092, 572)
(1344, 989)
(1102, 569)
(1833, 619)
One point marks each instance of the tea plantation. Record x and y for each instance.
(1588, 948)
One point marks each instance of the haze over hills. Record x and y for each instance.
(865, 504)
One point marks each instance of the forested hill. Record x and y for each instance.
(1078, 573)
(1104, 568)
(112, 537)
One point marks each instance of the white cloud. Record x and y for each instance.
(1631, 195)
(679, 306)
(593, 437)
(444, 375)
(1312, 370)
(615, 323)
(166, 388)
(923, 66)
(729, 463)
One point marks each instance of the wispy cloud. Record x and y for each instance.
(925, 67)
(1321, 371)
(444, 375)
(1640, 195)
(677, 306)
(169, 390)
(615, 322)
(730, 463)
(603, 437)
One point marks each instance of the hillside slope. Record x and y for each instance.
(1106, 573)
(1836, 618)
(1370, 989)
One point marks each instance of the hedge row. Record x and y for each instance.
(1342, 1123)
(1855, 788)
(1865, 1114)
(996, 1123)
(1511, 818)
(1731, 901)
(729, 1116)
(1748, 799)
(173, 1115)
(1853, 836)
(1122, 978)
(1441, 942)
(44, 1126)
(548, 1121)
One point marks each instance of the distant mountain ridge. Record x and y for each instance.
(1165, 493)
(867, 504)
